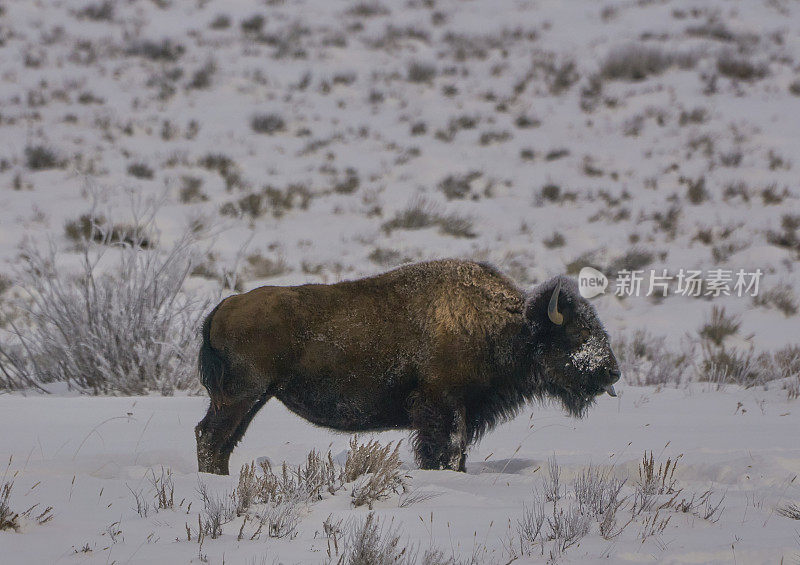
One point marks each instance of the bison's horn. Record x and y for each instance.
(552, 308)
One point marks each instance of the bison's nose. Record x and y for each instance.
(614, 374)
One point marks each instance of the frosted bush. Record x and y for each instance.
(119, 322)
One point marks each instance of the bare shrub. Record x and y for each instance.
(142, 505)
(269, 124)
(566, 528)
(421, 72)
(252, 205)
(490, 137)
(524, 121)
(412, 497)
(275, 497)
(92, 227)
(781, 297)
(552, 483)
(529, 528)
(260, 267)
(789, 510)
(635, 259)
(253, 25)
(370, 542)
(770, 195)
(788, 236)
(637, 62)
(247, 489)
(388, 257)
(716, 30)
(120, 323)
(5, 283)
(591, 92)
(349, 184)
(217, 511)
(696, 191)
(226, 168)
(458, 186)
(269, 199)
(367, 9)
(739, 68)
(558, 74)
(191, 191)
(375, 468)
(278, 498)
(653, 482)
(695, 116)
(140, 171)
(646, 360)
(785, 364)
(41, 157)
(608, 525)
(456, 225)
(653, 525)
(220, 21)
(556, 154)
(165, 50)
(305, 482)
(719, 326)
(722, 365)
(668, 221)
(597, 490)
(554, 241)
(202, 77)
(421, 213)
(551, 192)
(101, 11)
(657, 480)
(702, 506)
(9, 519)
(281, 519)
(164, 488)
(281, 201)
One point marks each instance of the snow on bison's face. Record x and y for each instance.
(571, 346)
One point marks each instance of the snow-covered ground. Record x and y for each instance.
(82, 455)
(338, 139)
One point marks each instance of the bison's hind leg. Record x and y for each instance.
(440, 434)
(222, 428)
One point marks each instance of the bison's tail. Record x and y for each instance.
(211, 364)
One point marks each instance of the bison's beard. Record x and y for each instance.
(576, 401)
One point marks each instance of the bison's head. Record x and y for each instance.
(570, 347)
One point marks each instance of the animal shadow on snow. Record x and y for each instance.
(515, 465)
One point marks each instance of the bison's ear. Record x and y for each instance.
(551, 303)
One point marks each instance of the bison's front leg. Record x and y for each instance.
(221, 429)
(440, 435)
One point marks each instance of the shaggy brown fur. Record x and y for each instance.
(445, 348)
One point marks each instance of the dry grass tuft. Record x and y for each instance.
(789, 510)
(719, 326)
(378, 468)
(781, 297)
(421, 214)
(739, 68)
(637, 62)
(9, 519)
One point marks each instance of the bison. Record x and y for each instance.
(445, 348)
